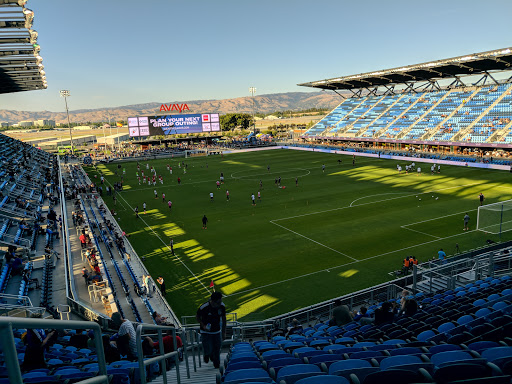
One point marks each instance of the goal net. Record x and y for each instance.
(495, 218)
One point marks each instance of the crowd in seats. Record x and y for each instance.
(68, 356)
(413, 114)
(459, 334)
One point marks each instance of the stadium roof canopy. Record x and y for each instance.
(455, 67)
(21, 67)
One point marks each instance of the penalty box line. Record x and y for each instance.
(344, 265)
(314, 241)
(371, 202)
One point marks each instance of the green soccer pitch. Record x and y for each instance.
(336, 232)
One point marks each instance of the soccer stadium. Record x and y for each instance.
(374, 247)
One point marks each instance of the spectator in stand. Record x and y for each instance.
(159, 319)
(385, 314)
(111, 351)
(17, 266)
(36, 341)
(361, 314)
(295, 328)
(340, 314)
(83, 239)
(126, 338)
(167, 340)
(409, 308)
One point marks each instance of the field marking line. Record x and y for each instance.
(371, 202)
(440, 217)
(249, 177)
(423, 233)
(343, 265)
(314, 241)
(164, 243)
(378, 194)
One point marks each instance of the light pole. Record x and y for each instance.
(110, 126)
(252, 90)
(65, 94)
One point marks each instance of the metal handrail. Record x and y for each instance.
(160, 358)
(11, 356)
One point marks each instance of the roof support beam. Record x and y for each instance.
(493, 79)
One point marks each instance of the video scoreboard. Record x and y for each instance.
(173, 124)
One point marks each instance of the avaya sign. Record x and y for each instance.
(174, 107)
(173, 124)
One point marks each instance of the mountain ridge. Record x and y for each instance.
(267, 103)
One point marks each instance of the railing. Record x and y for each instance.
(161, 358)
(11, 356)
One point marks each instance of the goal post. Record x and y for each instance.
(495, 218)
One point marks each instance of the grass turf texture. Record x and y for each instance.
(339, 231)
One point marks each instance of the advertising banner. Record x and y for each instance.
(173, 124)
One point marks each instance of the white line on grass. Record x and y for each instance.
(423, 233)
(163, 242)
(344, 265)
(372, 202)
(440, 217)
(314, 241)
(378, 194)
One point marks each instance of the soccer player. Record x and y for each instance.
(268, 168)
(279, 182)
(222, 178)
(253, 199)
(399, 169)
(227, 195)
(259, 195)
(413, 165)
(419, 171)
(170, 170)
(179, 180)
(438, 169)
(296, 181)
(433, 169)
(205, 221)
(169, 204)
(211, 196)
(261, 184)
(218, 184)
(144, 207)
(482, 198)
(466, 222)
(156, 194)
(136, 211)
(163, 197)
(323, 167)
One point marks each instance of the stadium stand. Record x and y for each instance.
(417, 105)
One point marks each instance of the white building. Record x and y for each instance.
(44, 123)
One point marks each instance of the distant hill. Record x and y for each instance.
(262, 104)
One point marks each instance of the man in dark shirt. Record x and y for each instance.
(212, 320)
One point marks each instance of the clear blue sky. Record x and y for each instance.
(119, 52)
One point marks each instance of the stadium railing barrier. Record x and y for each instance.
(162, 357)
(79, 308)
(11, 356)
